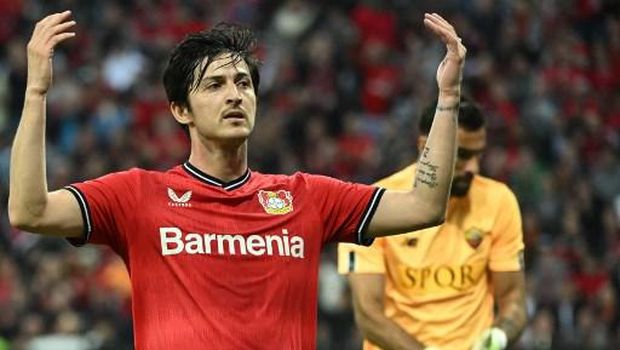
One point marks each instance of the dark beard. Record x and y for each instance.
(461, 185)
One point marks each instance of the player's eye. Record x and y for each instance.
(463, 154)
(244, 83)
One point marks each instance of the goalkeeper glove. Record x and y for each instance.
(491, 339)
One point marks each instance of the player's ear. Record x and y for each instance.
(181, 113)
(421, 142)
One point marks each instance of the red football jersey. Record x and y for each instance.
(218, 265)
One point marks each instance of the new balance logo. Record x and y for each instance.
(177, 201)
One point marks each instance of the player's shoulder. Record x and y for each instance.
(155, 175)
(275, 179)
(145, 176)
(400, 180)
(122, 175)
(299, 180)
(312, 182)
(492, 188)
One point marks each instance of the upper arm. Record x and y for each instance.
(343, 208)
(400, 212)
(368, 291)
(506, 258)
(61, 217)
(507, 235)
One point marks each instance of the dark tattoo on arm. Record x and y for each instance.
(427, 171)
(507, 325)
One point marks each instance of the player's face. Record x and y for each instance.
(471, 144)
(223, 107)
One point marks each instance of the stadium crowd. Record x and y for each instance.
(342, 83)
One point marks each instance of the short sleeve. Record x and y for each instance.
(345, 208)
(107, 205)
(507, 235)
(358, 259)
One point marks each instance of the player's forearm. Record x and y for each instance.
(385, 333)
(436, 162)
(28, 185)
(511, 319)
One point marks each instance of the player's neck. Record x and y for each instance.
(224, 162)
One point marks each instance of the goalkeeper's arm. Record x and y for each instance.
(368, 294)
(511, 317)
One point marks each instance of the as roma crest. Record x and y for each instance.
(276, 203)
(474, 237)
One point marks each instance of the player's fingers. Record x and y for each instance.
(46, 39)
(44, 29)
(54, 18)
(445, 35)
(451, 32)
(443, 21)
(50, 30)
(60, 38)
(439, 22)
(62, 27)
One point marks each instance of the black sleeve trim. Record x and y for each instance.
(85, 210)
(351, 261)
(367, 217)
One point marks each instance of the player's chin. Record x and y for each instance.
(236, 134)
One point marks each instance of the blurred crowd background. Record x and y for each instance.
(343, 83)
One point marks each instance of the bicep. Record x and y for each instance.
(368, 292)
(400, 212)
(62, 216)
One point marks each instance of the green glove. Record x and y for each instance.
(491, 339)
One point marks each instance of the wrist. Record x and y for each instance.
(450, 93)
(449, 96)
(35, 92)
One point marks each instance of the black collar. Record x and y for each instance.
(210, 180)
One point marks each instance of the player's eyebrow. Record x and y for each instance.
(219, 78)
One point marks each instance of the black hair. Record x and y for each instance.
(470, 117)
(179, 79)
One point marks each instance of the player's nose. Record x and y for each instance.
(233, 95)
(472, 165)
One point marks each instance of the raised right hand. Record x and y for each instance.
(450, 70)
(49, 32)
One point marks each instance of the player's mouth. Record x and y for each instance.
(234, 115)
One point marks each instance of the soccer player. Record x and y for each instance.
(221, 257)
(437, 287)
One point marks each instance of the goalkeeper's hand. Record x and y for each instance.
(491, 339)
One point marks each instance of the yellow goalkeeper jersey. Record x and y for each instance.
(437, 285)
